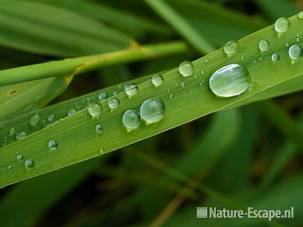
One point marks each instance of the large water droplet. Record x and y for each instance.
(186, 69)
(99, 129)
(113, 103)
(264, 45)
(21, 135)
(152, 110)
(34, 119)
(294, 52)
(131, 120)
(102, 96)
(229, 81)
(230, 48)
(29, 163)
(282, 25)
(95, 110)
(131, 90)
(275, 57)
(157, 80)
(52, 145)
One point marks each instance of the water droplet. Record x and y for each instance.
(157, 80)
(300, 15)
(10, 167)
(21, 135)
(131, 120)
(95, 110)
(264, 45)
(52, 145)
(71, 112)
(29, 163)
(101, 150)
(282, 25)
(152, 110)
(51, 117)
(131, 90)
(113, 103)
(102, 96)
(275, 57)
(115, 93)
(99, 129)
(11, 131)
(202, 72)
(294, 52)
(19, 157)
(183, 84)
(171, 95)
(298, 38)
(229, 81)
(186, 69)
(230, 48)
(34, 119)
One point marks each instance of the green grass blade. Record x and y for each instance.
(76, 136)
(181, 25)
(27, 25)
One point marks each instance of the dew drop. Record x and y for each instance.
(10, 167)
(202, 72)
(19, 157)
(264, 45)
(275, 57)
(171, 96)
(113, 103)
(152, 110)
(51, 117)
(230, 48)
(99, 129)
(95, 110)
(52, 145)
(21, 135)
(157, 80)
(282, 25)
(131, 90)
(102, 96)
(71, 112)
(183, 84)
(34, 120)
(29, 163)
(230, 80)
(131, 120)
(294, 52)
(11, 131)
(186, 69)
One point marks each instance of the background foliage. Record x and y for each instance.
(247, 156)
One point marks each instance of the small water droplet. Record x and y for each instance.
(206, 60)
(275, 57)
(21, 135)
(10, 167)
(102, 96)
(71, 112)
(29, 163)
(113, 103)
(115, 93)
(230, 48)
(282, 25)
(300, 15)
(287, 44)
(131, 120)
(131, 90)
(11, 131)
(186, 69)
(294, 52)
(99, 129)
(183, 84)
(202, 72)
(171, 96)
(230, 80)
(152, 110)
(51, 117)
(19, 157)
(52, 145)
(157, 80)
(264, 45)
(101, 150)
(34, 120)
(95, 110)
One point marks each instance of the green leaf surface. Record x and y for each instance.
(76, 136)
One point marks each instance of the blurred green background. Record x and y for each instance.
(232, 159)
